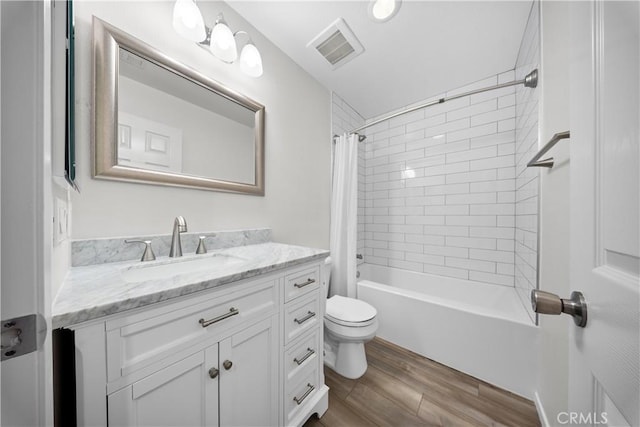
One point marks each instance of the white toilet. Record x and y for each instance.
(348, 324)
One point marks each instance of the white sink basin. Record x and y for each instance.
(154, 271)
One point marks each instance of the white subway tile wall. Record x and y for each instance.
(527, 179)
(440, 187)
(444, 190)
(344, 119)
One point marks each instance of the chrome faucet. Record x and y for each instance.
(179, 226)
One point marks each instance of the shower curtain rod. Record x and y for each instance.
(360, 137)
(530, 80)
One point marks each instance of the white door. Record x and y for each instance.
(604, 376)
(25, 209)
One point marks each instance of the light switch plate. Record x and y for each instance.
(60, 222)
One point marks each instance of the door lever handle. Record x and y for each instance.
(547, 303)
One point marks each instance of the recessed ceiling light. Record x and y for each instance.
(383, 10)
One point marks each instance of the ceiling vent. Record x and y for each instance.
(337, 44)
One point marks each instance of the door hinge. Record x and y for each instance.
(20, 335)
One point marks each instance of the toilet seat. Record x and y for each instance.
(349, 312)
(349, 324)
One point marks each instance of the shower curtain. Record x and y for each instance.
(344, 216)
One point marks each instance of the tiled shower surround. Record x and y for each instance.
(440, 187)
(445, 190)
(527, 179)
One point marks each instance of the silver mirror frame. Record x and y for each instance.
(107, 40)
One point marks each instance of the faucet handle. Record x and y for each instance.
(148, 254)
(202, 249)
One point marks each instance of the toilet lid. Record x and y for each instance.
(349, 309)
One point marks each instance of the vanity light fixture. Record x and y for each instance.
(383, 10)
(250, 59)
(187, 20)
(219, 40)
(222, 42)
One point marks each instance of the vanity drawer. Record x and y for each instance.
(301, 282)
(137, 341)
(301, 356)
(300, 393)
(301, 316)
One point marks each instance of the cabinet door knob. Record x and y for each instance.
(213, 372)
(227, 364)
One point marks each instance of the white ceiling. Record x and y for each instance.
(428, 48)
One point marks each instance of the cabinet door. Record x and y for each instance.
(182, 394)
(249, 386)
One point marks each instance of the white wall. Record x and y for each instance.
(554, 208)
(440, 187)
(296, 201)
(61, 252)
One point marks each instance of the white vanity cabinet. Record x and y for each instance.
(233, 382)
(248, 353)
(249, 388)
(180, 394)
(302, 361)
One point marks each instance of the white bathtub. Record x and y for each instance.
(477, 328)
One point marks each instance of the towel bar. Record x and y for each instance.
(547, 163)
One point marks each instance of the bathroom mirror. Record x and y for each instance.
(158, 121)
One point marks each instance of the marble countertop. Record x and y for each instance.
(92, 292)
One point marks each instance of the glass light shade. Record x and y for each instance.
(223, 44)
(250, 60)
(383, 10)
(187, 20)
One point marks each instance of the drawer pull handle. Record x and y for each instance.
(302, 285)
(232, 312)
(213, 372)
(310, 388)
(309, 315)
(310, 352)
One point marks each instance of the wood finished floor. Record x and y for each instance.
(402, 388)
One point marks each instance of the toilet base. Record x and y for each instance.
(345, 358)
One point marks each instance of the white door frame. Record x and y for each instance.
(26, 207)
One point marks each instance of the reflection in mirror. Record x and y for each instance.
(160, 122)
(168, 123)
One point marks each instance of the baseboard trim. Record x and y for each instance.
(542, 415)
